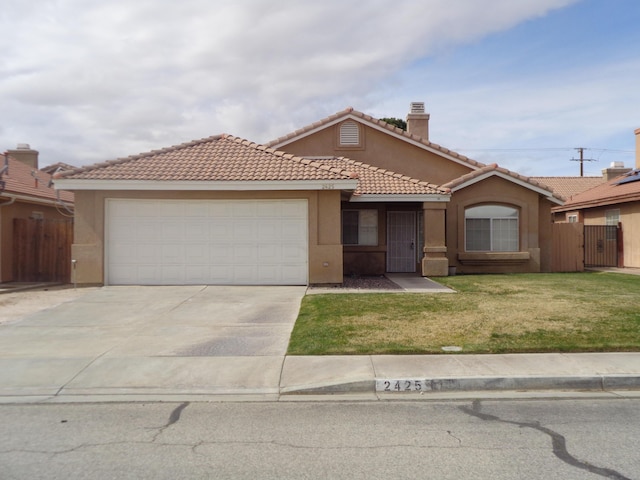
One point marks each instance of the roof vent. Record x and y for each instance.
(417, 107)
(617, 164)
(24, 146)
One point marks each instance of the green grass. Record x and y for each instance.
(577, 312)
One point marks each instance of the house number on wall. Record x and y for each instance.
(328, 186)
(400, 385)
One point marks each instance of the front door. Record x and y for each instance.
(401, 242)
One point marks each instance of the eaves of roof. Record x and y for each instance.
(380, 125)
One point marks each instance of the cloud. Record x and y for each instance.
(84, 80)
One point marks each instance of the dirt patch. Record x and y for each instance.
(16, 305)
(373, 282)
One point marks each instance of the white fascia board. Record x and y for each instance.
(153, 185)
(34, 200)
(380, 128)
(401, 198)
(509, 178)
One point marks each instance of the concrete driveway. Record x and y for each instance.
(187, 340)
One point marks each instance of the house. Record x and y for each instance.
(26, 193)
(494, 221)
(349, 194)
(614, 202)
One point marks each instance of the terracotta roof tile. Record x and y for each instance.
(367, 118)
(376, 181)
(217, 158)
(570, 186)
(495, 168)
(607, 193)
(21, 179)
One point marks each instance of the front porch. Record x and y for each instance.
(394, 237)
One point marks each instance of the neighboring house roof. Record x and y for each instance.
(494, 170)
(378, 184)
(622, 189)
(379, 125)
(25, 183)
(569, 186)
(235, 161)
(57, 167)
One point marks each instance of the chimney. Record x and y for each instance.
(418, 121)
(638, 148)
(615, 170)
(24, 154)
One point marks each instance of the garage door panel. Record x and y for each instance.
(145, 232)
(159, 242)
(172, 275)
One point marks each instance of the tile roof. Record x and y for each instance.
(378, 181)
(381, 123)
(23, 180)
(569, 186)
(494, 168)
(217, 158)
(608, 193)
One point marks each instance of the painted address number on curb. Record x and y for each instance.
(400, 385)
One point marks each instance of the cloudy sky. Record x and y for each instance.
(518, 82)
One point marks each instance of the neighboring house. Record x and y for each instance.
(567, 187)
(614, 202)
(25, 193)
(351, 195)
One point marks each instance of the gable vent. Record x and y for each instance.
(349, 134)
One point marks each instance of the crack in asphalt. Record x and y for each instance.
(558, 442)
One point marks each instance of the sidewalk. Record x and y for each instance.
(454, 373)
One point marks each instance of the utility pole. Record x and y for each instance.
(582, 159)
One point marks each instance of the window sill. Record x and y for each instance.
(493, 258)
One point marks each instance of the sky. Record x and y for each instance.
(521, 83)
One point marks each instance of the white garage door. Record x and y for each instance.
(206, 242)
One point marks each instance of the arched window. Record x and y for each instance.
(491, 228)
(349, 134)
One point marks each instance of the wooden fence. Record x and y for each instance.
(568, 247)
(42, 250)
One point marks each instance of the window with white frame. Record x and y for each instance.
(359, 227)
(572, 218)
(491, 228)
(349, 134)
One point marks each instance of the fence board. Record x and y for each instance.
(568, 247)
(42, 250)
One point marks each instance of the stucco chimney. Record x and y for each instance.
(615, 170)
(418, 121)
(638, 148)
(23, 153)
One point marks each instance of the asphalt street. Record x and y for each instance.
(534, 439)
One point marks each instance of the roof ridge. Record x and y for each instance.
(290, 156)
(495, 167)
(380, 123)
(130, 158)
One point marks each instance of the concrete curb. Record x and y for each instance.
(470, 384)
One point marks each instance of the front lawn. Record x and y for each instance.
(575, 312)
